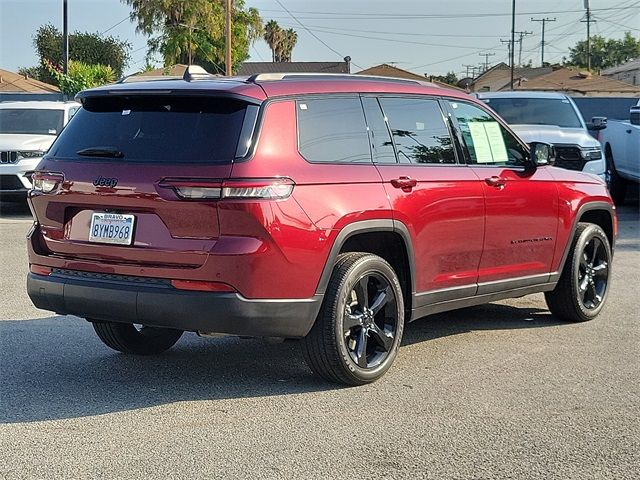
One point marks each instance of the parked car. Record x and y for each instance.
(621, 143)
(332, 209)
(552, 118)
(27, 130)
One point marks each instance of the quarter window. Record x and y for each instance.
(419, 130)
(487, 142)
(332, 130)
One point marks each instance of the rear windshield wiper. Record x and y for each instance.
(109, 152)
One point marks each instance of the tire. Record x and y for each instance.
(126, 338)
(617, 185)
(356, 337)
(584, 283)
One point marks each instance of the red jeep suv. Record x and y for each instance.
(333, 209)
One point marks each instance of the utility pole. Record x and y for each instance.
(227, 58)
(486, 59)
(588, 21)
(543, 21)
(508, 42)
(65, 38)
(468, 67)
(521, 35)
(513, 38)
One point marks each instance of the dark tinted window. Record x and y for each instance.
(156, 129)
(487, 142)
(419, 130)
(332, 130)
(31, 121)
(536, 111)
(381, 143)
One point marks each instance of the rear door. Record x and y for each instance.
(438, 200)
(145, 160)
(521, 202)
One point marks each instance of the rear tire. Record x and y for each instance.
(582, 290)
(126, 338)
(356, 336)
(617, 184)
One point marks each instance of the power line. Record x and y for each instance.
(115, 25)
(314, 35)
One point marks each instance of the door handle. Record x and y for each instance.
(405, 183)
(495, 181)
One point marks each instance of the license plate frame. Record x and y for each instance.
(112, 228)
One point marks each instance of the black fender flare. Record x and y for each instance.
(367, 226)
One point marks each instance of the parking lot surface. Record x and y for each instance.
(498, 391)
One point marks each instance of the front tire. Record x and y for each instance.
(582, 290)
(356, 336)
(617, 184)
(126, 338)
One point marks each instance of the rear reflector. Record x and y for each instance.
(40, 270)
(202, 286)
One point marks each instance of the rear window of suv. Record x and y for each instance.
(170, 129)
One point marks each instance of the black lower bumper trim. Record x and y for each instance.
(163, 306)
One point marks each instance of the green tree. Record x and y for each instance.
(81, 76)
(605, 53)
(450, 78)
(192, 31)
(84, 47)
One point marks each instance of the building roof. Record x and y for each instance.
(385, 70)
(14, 83)
(498, 77)
(576, 82)
(253, 68)
(624, 67)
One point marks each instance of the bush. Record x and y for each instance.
(81, 76)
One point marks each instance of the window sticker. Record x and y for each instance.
(488, 142)
(419, 126)
(480, 142)
(303, 106)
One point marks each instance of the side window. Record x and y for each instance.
(487, 142)
(381, 143)
(72, 112)
(332, 130)
(419, 130)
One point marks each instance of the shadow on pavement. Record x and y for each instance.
(56, 368)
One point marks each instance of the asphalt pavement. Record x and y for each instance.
(498, 391)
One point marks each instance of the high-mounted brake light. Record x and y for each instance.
(47, 182)
(263, 188)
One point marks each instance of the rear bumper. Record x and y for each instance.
(161, 305)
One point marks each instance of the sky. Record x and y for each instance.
(422, 36)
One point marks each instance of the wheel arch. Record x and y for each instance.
(598, 213)
(380, 237)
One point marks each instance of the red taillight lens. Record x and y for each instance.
(261, 188)
(202, 286)
(47, 182)
(40, 270)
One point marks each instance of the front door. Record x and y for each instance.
(521, 202)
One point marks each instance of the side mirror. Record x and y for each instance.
(542, 153)
(634, 115)
(597, 123)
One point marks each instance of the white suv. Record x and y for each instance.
(27, 130)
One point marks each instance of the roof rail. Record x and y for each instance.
(267, 77)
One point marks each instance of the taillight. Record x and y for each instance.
(261, 188)
(47, 182)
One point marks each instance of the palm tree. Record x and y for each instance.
(288, 43)
(273, 35)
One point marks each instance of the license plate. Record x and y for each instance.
(111, 228)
